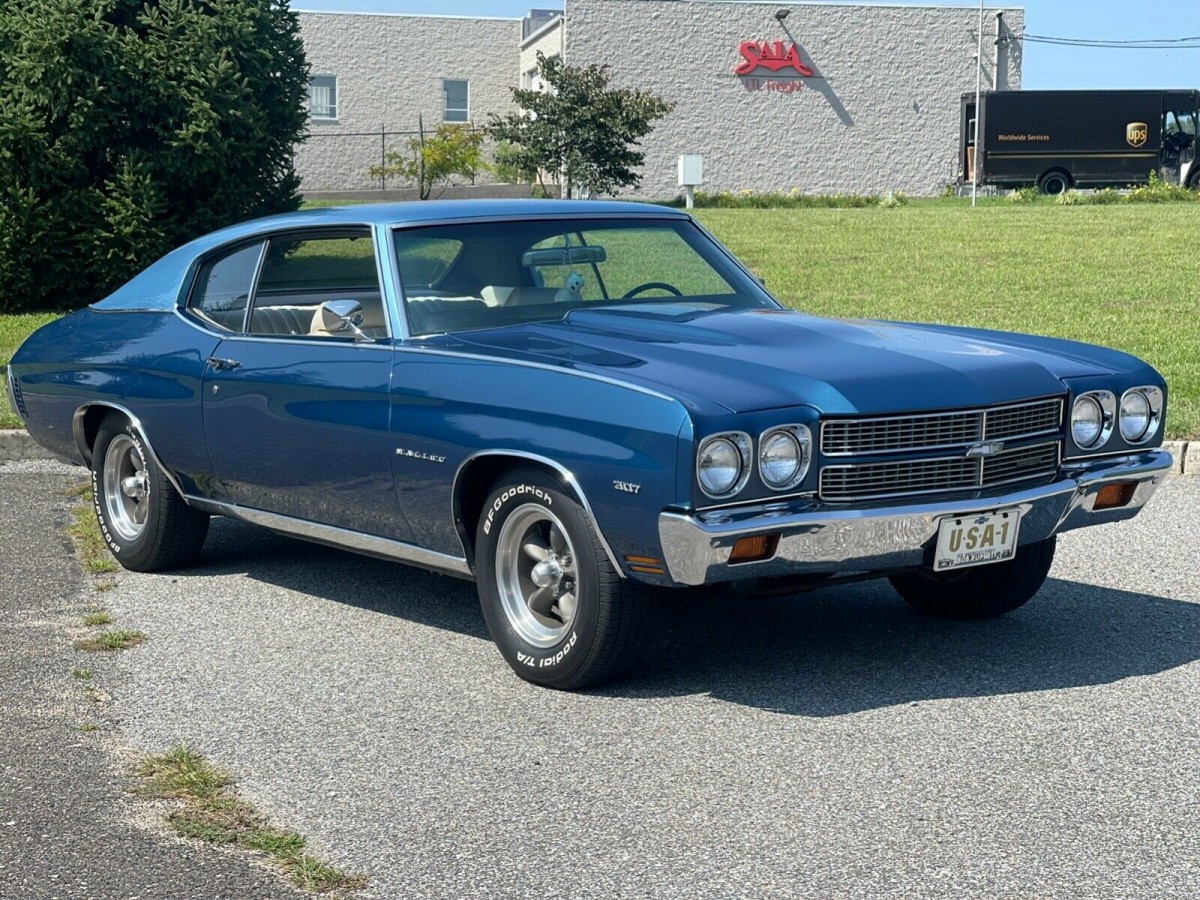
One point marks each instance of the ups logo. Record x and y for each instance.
(1136, 133)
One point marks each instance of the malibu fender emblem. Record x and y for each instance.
(986, 448)
(627, 487)
(413, 454)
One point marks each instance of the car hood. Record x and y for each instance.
(746, 360)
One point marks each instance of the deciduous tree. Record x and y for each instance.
(579, 128)
(432, 162)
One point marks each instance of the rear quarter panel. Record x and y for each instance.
(147, 362)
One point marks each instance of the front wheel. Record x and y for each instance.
(559, 612)
(983, 592)
(145, 523)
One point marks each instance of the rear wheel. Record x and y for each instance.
(559, 612)
(145, 523)
(1054, 182)
(1193, 182)
(982, 592)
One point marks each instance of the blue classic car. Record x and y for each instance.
(571, 402)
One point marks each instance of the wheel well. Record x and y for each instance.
(474, 484)
(87, 426)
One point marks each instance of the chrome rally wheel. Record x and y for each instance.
(144, 521)
(560, 613)
(535, 575)
(124, 487)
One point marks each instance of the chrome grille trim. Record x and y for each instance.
(903, 478)
(942, 430)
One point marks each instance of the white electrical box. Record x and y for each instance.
(691, 170)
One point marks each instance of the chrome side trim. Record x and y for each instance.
(568, 477)
(879, 538)
(85, 452)
(343, 538)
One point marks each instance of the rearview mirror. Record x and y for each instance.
(564, 256)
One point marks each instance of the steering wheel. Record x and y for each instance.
(650, 286)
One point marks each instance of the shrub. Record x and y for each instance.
(1026, 194)
(128, 127)
(1158, 191)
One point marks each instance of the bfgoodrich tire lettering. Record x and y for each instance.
(559, 613)
(982, 592)
(145, 523)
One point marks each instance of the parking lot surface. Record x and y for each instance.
(832, 744)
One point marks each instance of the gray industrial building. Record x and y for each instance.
(811, 97)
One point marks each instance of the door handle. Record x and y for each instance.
(217, 363)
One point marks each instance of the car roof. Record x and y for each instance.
(158, 286)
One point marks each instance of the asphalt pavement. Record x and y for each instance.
(833, 744)
(69, 826)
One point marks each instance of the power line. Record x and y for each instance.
(1183, 43)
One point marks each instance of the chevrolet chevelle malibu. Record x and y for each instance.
(571, 403)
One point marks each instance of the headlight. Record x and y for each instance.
(723, 464)
(1087, 421)
(783, 456)
(1141, 413)
(1135, 416)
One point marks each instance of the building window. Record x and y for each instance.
(322, 97)
(454, 106)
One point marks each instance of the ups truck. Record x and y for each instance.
(1064, 139)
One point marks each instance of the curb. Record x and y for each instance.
(16, 445)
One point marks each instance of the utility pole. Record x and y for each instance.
(978, 91)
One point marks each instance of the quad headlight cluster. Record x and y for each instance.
(1096, 414)
(724, 461)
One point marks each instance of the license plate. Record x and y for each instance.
(976, 540)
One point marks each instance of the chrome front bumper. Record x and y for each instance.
(818, 538)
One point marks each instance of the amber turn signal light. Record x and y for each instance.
(752, 549)
(1113, 496)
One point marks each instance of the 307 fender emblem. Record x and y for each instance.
(627, 487)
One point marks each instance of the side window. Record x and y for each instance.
(222, 288)
(322, 98)
(303, 271)
(455, 101)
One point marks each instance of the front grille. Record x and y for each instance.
(1010, 422)
(879, 480)
(1021, 463)
(903, 434)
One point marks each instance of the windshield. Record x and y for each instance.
(484, 275)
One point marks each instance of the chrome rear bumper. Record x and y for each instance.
(816, 537)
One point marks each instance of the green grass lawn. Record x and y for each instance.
(13, 330)
(1114, 275)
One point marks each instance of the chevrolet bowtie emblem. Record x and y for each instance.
(985, 448)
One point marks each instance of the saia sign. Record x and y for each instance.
(772, 57)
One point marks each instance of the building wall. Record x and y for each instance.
(881, 112)
(390, 70)
(548, 42)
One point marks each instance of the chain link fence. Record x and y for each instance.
(341, 161)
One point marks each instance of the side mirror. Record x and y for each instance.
(334, 316)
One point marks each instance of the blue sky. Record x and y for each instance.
(1045, 66)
